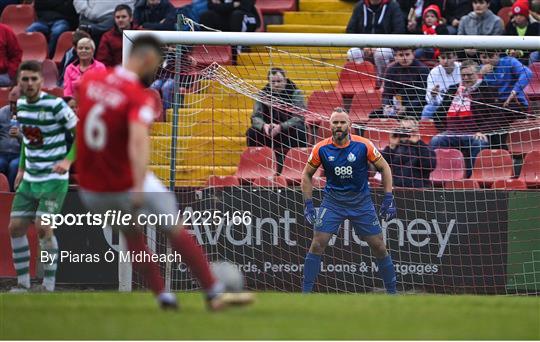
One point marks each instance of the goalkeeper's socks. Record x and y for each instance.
(387, 273)
(50, 246)
(149, 270)
(21, 259)
(312, 266)
(193, 256)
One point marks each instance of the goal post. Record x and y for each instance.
(467, 215)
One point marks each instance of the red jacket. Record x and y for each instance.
(110, 47)
(10, 51)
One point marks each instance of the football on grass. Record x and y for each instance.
(229, 275)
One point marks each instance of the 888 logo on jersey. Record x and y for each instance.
(343, 171)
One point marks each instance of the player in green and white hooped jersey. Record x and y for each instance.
(42, 180)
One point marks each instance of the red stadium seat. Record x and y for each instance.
(510, 184)
(427, 130)
(208, 54)
(270, 182)
(4, 184)
(321, 104)
(63, 44)
(18, 17)
(505, 14)
(159, 104)
(532, 90)
(356, 78)
(180, 3)
(380, 131)
(461, 184)
(363, 104)
(530, 172)
(276, 6)
(33, 45)
(4, 96)
(256, 162)
(222, 181)
(450, 166)
(50, 73)
(524, 137)
(294, 164)
(492, 165)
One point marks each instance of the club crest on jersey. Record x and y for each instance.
(331, 158)
(351, 157)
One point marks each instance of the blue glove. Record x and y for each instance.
(388, 207)
(309, 211)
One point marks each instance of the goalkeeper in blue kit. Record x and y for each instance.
(345, 159)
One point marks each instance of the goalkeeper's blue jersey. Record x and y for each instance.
(346, 169)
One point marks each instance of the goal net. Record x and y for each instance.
(456, 117)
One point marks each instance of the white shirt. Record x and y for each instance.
(438, 75)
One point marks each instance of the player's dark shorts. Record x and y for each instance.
(363, 220)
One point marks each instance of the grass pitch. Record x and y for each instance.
(135, 316)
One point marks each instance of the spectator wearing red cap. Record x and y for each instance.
(521, 26)
(432, 24)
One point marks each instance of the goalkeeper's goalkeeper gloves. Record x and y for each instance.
(309, 211)
(388, 207)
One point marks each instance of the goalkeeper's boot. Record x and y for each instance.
(167, 301)
(220, 301)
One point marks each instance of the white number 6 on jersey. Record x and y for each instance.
(95, 130)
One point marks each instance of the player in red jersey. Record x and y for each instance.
(113, 153)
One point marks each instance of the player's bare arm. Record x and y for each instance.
(307, 181)
(382, 166)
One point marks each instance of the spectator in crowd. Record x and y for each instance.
(432, 24)
(440, 78)
(231, 15)
(278, 126)
(520, 25)
(410, 159)
(10, 138)
(96, 16)
(454, 11)
(164, 82)
(85, 62)
(462, 108)
(377, 17)
(71, 55)
(508, 76)
(402, 80)
(10, 55)
(534, 11)
(155, 15)
(110, 47)
(54, 17)
(413, 12)
(481, 21)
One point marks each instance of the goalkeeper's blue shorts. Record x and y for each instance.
(364, 220)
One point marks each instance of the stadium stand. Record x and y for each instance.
(532, 90)
(356, 78)
(206, 55)
(4, 184)
(294, 164)
(450, 166)
(50, 73)
(510, 184)
(427, 130)
(524, 141)
(270, 182)
(492, 165)
(380, 138)
(530, 172)
(179, 3)
(256, 162)
(505, 14)
(462, 184)
(363, 104)
(18, 17)
(276, 6)
(222, 181)
(4, 93)
(63, 44)
(34, 45)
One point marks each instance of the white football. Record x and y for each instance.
(229, 275)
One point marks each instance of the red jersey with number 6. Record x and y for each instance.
(108, 101)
